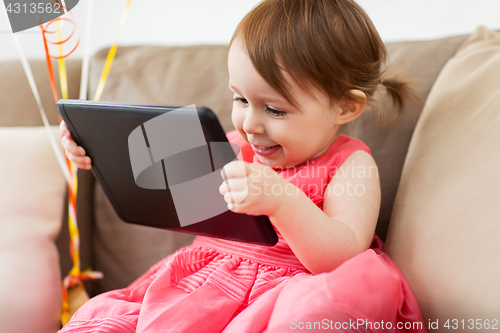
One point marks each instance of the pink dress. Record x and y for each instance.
(215, 285)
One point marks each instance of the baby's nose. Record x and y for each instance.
(252, 123)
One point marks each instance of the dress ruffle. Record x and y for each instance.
(210, 289)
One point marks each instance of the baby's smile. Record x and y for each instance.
(265, 150)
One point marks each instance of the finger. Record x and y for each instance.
(81, 162)
(71, 147)
(234, 184)
(64, 130)
(235, 197)
(232, 207)
(84, 166)
(62, 126)
(234, 169)
(223, 188)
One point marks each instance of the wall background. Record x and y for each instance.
(173, 22)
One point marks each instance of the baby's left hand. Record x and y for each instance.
(253, 189)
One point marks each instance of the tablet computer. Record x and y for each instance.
(160, 166)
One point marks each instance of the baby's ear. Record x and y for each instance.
(352, 109)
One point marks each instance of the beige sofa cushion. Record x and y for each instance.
(445, 227)
(31, 204)
(18, 105)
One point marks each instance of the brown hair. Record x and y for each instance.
(329, 44)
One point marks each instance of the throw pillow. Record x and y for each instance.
(445, 223)
(31, 205)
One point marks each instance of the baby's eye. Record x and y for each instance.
(275, 113)
(240, 100)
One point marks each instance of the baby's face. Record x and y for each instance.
(281, 134)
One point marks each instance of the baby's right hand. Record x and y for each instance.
(75, 153)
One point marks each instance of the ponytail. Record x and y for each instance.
(402, 95)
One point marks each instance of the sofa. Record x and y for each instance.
(438, 167)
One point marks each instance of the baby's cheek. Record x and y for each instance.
(237, 118)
